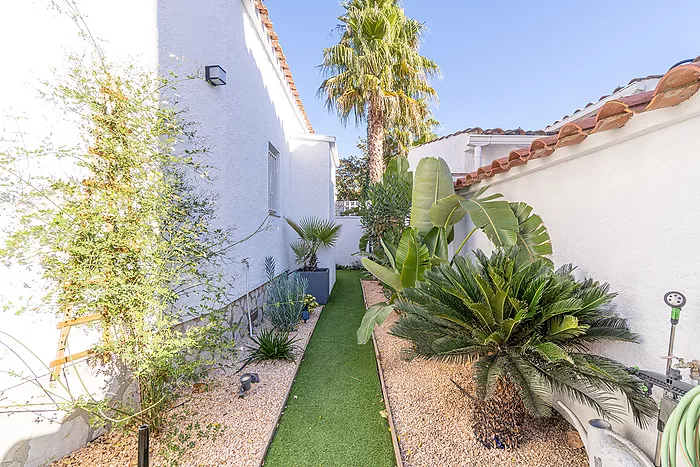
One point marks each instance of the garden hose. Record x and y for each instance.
(683, 429)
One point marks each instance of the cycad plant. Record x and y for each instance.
(314, 234)
(527, 329)
(376, 73)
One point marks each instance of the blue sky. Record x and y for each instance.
(506, 64)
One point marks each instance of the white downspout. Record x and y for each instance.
(247, 296)
(477, 157)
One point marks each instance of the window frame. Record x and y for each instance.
(273, 180)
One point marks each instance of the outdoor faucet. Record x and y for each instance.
(694, 366)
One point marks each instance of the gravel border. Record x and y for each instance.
(385, 391)
(244, 427)
(433, 419)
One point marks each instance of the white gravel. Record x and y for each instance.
(244, 425)
(433, 418)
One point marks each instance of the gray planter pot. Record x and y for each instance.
(318, 283)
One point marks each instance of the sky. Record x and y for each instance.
(505, 64)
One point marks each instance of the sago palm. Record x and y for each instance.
(527, 329)
(314, 234)
(376, 73)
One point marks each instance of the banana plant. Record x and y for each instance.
(435, 210)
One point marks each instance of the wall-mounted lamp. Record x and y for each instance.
(215, 75)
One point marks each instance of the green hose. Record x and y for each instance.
(683, 428)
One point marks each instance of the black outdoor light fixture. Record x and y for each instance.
(143, 446)
(246, 380)
(215, 75)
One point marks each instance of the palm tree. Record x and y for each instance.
(527, 329)
(376, 73)
(314, 234)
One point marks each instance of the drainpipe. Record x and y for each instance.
(247, 296)
(478, 160)
(477, 157)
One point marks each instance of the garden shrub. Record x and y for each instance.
(285, 301)
(528, 330)
(286, 298)
(129, 237)
(272, 345)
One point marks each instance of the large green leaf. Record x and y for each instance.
(437, 241)
(409, 236)
(384, 274)
(375, 27)
(447, 212)
(416, 262)
(532, 234)
(432, 182)
(399, 166)
(493, 216)
(374, 316)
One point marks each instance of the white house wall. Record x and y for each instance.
(237, 121)
(458, 151)
(348, 243)
(311, 191)
(451, 149)
(623, 207)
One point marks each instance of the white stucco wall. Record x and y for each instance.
(237, 122)
(349, 240)
(312, 188)
(623, 207)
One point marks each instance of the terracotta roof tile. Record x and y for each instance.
(619, 88)
(677, 85)
(274, 39)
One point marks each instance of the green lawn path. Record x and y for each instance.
(333, 416)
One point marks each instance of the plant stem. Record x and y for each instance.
(464, 242)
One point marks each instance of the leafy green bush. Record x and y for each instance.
(272, 345)
(522, 322)
(310, 302)
(385, 206)
(127, 237)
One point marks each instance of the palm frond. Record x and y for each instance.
(519, 319)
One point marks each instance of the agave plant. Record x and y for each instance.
(314, 234)
(524, 325)
(272, 345)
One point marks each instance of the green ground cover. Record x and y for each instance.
(333, 414)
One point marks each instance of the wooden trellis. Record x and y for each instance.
(61, 357)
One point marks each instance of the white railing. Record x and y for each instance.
(344, 205)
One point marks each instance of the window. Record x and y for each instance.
(273, 170)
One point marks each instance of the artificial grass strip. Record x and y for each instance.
(333, 416)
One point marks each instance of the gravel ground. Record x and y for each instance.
(230, 431)
(432, 417)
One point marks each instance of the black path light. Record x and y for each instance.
(143, 446)
(215, 75)
(246, 381)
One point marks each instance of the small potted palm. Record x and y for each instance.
(314, 234)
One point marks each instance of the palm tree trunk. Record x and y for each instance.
(375, 142)
(498, 421)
